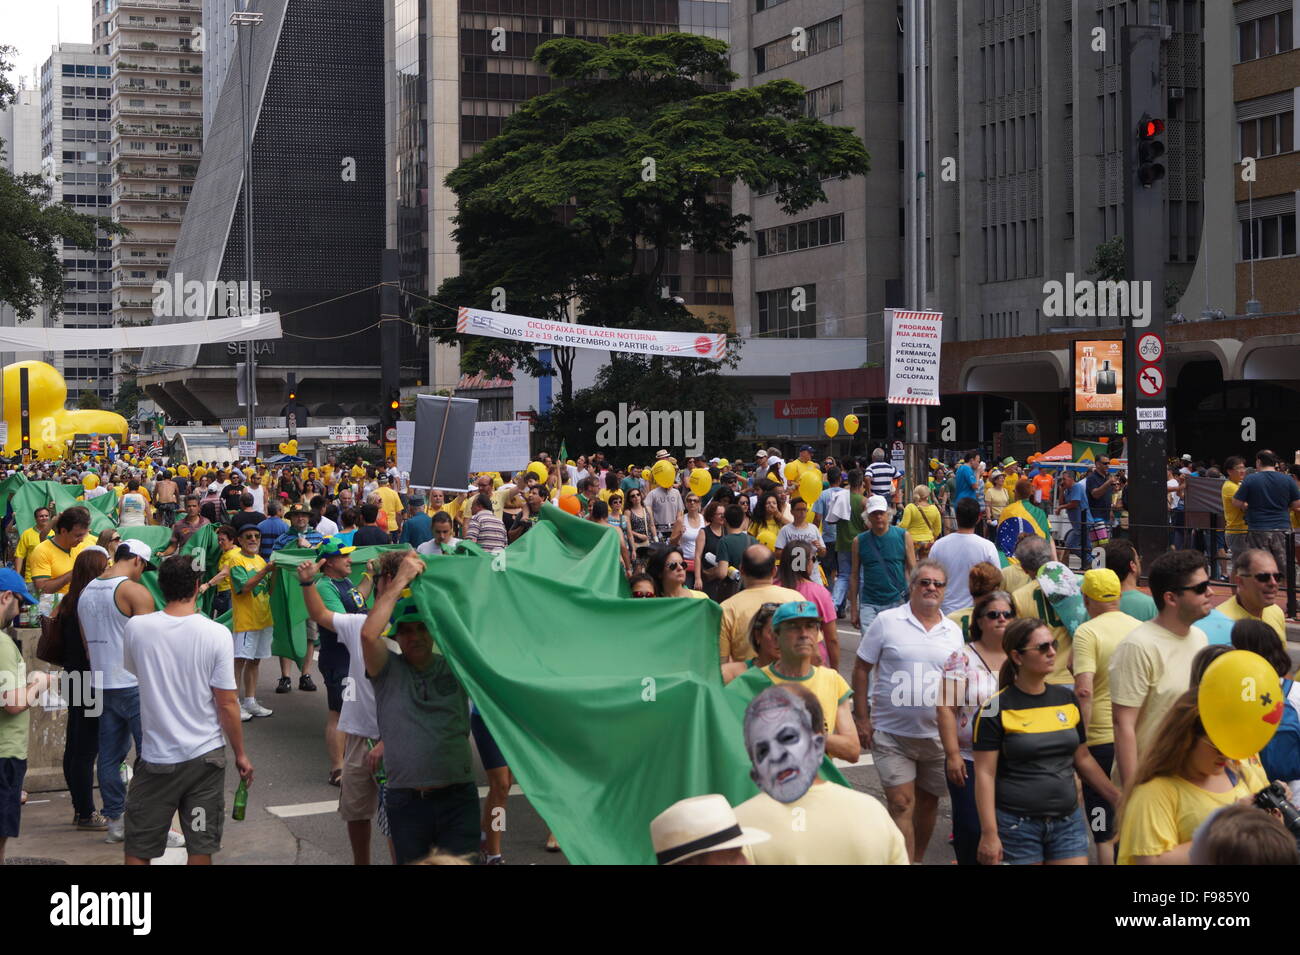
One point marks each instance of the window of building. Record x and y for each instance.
(778, 317)
(1268, 237)
(1264, 36)
(1267, 135)
(797, 236)
(824, 100)
(818, 38)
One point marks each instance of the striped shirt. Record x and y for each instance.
(882, 478)
(487, 530)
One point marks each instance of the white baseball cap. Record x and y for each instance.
(876, 503)
(139, 549)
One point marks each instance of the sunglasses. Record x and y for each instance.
(250, 537)
(1198, 589)
(930, 582)
(1265, 578)
(999, 614)
(675, 566)
(642, 594)
(1040, 647)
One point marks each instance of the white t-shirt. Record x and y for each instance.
(94, 492)
(908, 672)
(959, 553)
(326, 528)
(132, 510)
(179, 661)
(358, 714)
(433, 547)
(259, 497)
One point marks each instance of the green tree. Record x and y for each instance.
(578, 204)
(1108, 263)
(31, 225)
(128, 398)
(89, 401)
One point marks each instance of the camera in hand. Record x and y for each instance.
(1274, 797)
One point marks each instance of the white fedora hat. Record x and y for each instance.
(699, 824)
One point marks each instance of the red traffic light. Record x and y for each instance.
(1149, 127)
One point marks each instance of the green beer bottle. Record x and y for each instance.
(241, 802)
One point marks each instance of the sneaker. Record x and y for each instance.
(257, 709)
(95, 822)
(175, 839)
(284, 685)
(116, 830)
(485, 859)
(305, 683)
(244, 715)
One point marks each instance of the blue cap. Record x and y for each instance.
(795, 610)
(10, 580)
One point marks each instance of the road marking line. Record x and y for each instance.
(863, 760)
(320, 808)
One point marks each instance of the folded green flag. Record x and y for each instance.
(608, 710)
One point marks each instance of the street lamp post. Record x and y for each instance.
(238, 19)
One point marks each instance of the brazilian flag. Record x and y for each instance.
(1021, 517)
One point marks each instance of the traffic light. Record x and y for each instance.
(1150, 148)
(900, 426)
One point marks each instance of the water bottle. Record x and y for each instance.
(381, 775)
(241, 802)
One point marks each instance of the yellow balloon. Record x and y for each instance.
(851, 423)
(243, 431)
(1241, 703)
(568, 489)
(538, 468)
(831, 427)
(792, 471)
(90, 481)
(810, 486)
(645, 474)
(700, 482)
(663, 473)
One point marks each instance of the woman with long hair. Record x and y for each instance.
(706, 542)
(692, 523)
(982, 580)
(767, 520)
(81, 737)
(600, 515)
(667, 568)
(795, 573)
(970, 679)
(639, 527)
(1281, 757)
(762, 639)
(1182, 779)
(1029, 740)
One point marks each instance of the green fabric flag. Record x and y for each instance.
(8, 488)
(201, 546)
(608, 710)
(30, 495)
(1088, 451)
(289, 610)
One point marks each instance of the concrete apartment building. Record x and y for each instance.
(20, 128)
(154, 50)
(75, 134)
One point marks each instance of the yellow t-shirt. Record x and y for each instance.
(26, 544)
(826, 684)
(1013, 578)
(1094, 644)
(924, 524)
(1163, 813)
(739, 609)
(1234, 517)
(996, 498)
(836, 825)
(222, 563)
(766, 533)
(1030, 601)
(357, 472)
(1151, 669)
(392, 504)
(48, 559)
(252, 611)
(962, 619)
(1273, 616)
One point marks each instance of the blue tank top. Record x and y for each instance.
(881, 560)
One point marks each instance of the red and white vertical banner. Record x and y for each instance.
(521, 328)
(914, 341)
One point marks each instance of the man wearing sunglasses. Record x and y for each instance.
(1255, 574)
(1152, 667)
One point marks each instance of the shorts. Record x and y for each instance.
(334, 677)
(1100, 813)
(220, 603)
(488, 752)
(195, 789)
(358, 791)
(904, 759)
(12, 773)
(253, 644)
(1029, 840)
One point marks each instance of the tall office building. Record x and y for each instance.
(450, 91)
(315, 84)
(157, 142)
(20, 128)
(76, 88)
(219, 37)
(842, 259)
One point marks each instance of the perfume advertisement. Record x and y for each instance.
(1099, 377)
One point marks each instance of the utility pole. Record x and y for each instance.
(240, 19)
(1145, 251)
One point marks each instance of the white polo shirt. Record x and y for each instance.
(907, 674)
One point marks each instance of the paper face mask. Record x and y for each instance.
(782, 746)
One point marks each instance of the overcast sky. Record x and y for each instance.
(33, 26)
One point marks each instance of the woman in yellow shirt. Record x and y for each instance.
(922, 520)
(996, 497)
(768, 521)
(1183, 779)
